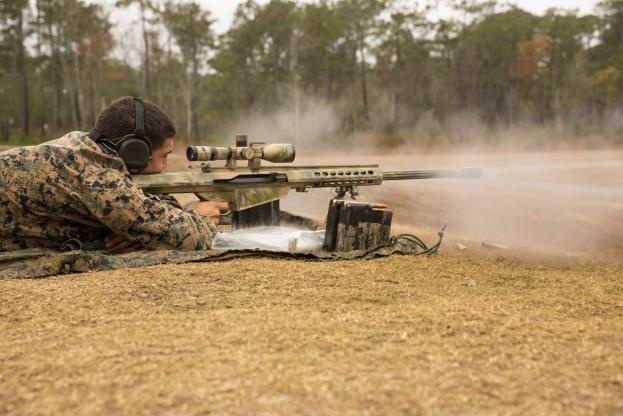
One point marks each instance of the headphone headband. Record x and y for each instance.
(139, 117)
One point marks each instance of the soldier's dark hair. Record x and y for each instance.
(117, 120)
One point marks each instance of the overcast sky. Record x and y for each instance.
(223, 9)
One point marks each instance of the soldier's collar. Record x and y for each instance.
(102, 141)
(96, 135)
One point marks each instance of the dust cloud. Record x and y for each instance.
(560, 202)
(311, 122)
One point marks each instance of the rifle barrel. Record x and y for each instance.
(467, 173)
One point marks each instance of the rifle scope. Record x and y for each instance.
(274, 152)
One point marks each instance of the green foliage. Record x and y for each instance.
(381, 65)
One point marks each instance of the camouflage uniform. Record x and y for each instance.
(69, 188)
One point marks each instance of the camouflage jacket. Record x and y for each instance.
(69, 188)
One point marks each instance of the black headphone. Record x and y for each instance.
(133, 148)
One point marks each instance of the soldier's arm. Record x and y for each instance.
(167, 199)
(211, 209)
(111, 198)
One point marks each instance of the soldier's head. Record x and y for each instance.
(118, 120)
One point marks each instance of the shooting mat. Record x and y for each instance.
(31, 263)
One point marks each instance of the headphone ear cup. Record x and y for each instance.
(135, 153)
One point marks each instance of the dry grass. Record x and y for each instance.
(402, 335)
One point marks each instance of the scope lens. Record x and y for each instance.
(279, 153)
(191, 153)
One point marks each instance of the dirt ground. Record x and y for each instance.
(450, 334)
(535, 329)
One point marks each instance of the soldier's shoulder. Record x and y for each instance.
(73, 139)
(79, 147)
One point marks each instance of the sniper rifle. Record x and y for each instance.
(253, 191)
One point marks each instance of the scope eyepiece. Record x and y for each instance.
(207, 153)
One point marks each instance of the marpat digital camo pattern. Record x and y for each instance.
(69, 188)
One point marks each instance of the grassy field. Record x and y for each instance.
(456, 334)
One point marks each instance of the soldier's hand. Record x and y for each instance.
(118, 242)
(212, 209)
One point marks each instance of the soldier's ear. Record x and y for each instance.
(135, 153)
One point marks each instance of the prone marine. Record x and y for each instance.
(78, 188)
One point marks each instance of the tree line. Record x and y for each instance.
(384, 66)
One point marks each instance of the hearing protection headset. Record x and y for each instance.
(133, 148)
